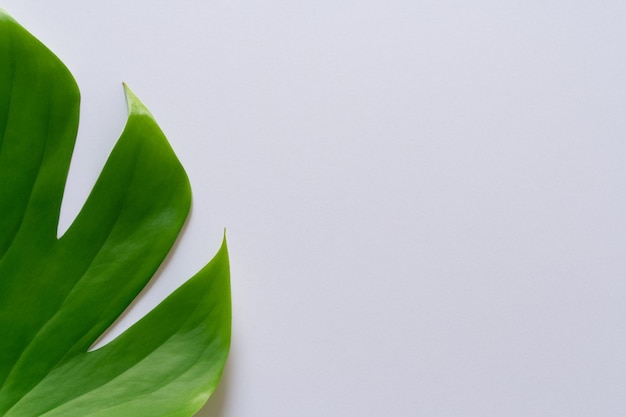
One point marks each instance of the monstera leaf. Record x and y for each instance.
(59, 294)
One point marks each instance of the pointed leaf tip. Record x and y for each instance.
(135, 106)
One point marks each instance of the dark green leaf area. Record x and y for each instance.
(58, 295)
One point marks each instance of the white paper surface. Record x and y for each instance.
(424, 200)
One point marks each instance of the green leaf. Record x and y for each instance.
(58, 295)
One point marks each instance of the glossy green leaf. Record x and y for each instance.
(58, 295)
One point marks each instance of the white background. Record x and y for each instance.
(425, 201)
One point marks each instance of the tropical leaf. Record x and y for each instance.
(59, 294)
